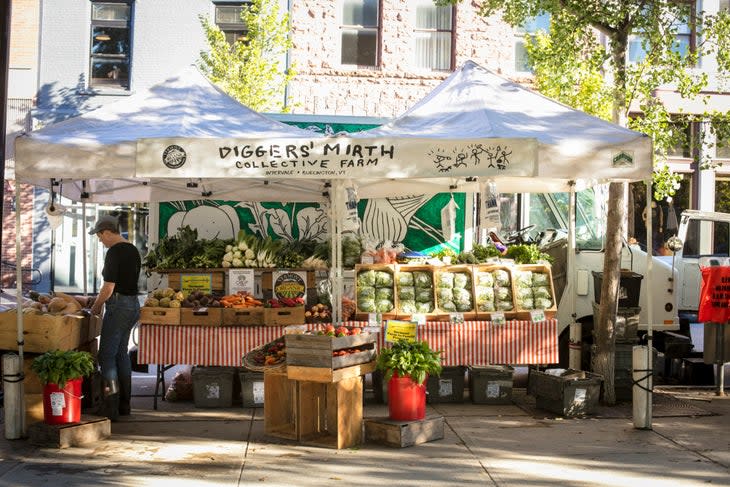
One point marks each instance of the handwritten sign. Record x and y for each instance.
(241, 280)
(335, 157)
(400, 330)
(196, 282)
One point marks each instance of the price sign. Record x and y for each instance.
(400, 330)
(196, 282)
(537, 315)
(419, 318)
(241, 280)
(456, 318)
(498, 318)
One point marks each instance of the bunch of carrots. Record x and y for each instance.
(242, 299)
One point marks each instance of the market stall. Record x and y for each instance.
(184, 139)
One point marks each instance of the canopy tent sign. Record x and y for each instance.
(102, 155)
(335, 158)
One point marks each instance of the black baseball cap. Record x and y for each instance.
(106, 222)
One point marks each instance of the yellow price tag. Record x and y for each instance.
(400, 330)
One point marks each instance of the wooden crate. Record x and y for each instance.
(280, 401)
(201, 316)
(33, 408)
(325, 374)
(174, 277)
(444, 314)
(401, 434)
(390, 268)
(89, 430)
(312, 413)
(402, 315)
(487, 315)
(284, 316)
(243, 316)
(152, 315)
(91, 328)
(41, 332)
(316, 350)
(524, 314)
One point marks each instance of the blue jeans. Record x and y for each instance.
(120, 315)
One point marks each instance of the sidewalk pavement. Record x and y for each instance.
(485, 445)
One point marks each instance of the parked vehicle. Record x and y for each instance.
(674, 288)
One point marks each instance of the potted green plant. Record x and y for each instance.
(406, 365)
(61, 372)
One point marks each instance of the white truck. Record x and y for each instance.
(675, 284)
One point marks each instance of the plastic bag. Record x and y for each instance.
(181, 388)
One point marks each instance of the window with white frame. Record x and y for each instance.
(722, 141)
(433, 33)
(110, 44)
(360, 32)
(525, 34)
(685, 38)
(228, 19)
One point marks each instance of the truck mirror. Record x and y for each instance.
(674, 244)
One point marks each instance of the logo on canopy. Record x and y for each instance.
(623, 159)
(174, 156)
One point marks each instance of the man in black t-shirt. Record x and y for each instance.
(118, 294)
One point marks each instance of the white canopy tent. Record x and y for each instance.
(186, 140)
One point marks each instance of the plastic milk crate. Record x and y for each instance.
(213, 387)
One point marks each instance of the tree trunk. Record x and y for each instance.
(605, 338)
(604, 356)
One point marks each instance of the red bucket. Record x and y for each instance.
(62, 406)
(406, 399)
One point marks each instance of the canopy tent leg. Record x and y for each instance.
(642, 391)
(575, 347)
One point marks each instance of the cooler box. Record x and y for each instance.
(252, 388)
(491, 384)
(213, 387)
(447, 387)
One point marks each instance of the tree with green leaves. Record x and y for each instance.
(572, 66)
(251, 70)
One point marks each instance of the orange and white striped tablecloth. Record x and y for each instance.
(470, 343)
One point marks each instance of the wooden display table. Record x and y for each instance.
(316, 406)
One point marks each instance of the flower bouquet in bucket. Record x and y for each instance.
(61, 372)
(406, 365)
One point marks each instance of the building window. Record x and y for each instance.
(110, 44)
(722, 141)
(433, 32)
(229, 21)
(524, 34)
(361, 32)
(685, 38)
(685, 136)
(724, 5)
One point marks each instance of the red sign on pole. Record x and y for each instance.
(715, 295)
